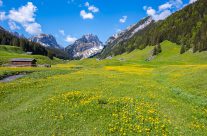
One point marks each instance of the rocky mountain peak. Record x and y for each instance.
(87, 46)
(46, 40)
(89, 38)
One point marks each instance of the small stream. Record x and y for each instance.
(11, 78)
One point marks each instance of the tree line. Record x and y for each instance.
(187, 27)
(7, 38)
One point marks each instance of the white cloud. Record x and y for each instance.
(25, 16)
(93, 9)
(151, 11)
(165, 6)
(164, 14)
(33, 28)
(164, 10)
(158, 15)
(62, 32)
(1, 3)
(3, 16)
(176, 3)
(86, 15)
(192, 1)
(13, 25)
(123, 19)
(87, 4)
(70, 39)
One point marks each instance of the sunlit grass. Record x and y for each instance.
(108, 97)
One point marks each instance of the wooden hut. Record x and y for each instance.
(23, 62)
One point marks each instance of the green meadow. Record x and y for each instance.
(125, 95)
(9, 52)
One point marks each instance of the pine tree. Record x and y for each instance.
(154, 52)
(159, 49)
(182, 50)
(50, 55)
(195, 48)
(3, 41)
(14, 42)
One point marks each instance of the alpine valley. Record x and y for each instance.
(147, 80)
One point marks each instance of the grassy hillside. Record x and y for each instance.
(186, 27)
(170, 54)
(8, 52)
(8, 38)
(125, 95)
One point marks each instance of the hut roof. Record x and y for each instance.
(23, 59)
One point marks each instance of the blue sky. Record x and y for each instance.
(68, 20)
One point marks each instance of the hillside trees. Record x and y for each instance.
(157, 49)
(7, 38)
(182, 49)
(187, 27)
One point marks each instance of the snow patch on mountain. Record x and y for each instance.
(129, 32)
(85, 47)
(45, 40)
(145, 24)
(88, 53)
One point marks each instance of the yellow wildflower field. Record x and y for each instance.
(108, 97)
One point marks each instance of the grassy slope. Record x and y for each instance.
(111, 97)
(9, 52)
(170, 54)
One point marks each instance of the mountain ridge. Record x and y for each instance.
(15, 39)
(9, 38)
(47, 40)
(86, 46)
(186, 27)
(127, 33)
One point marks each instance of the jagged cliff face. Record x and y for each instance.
(85, 47)
(129, 32)
(126, 34)
(45, 40)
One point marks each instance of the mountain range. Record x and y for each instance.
(88, 45)
(187, 27)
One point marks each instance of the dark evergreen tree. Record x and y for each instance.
(154, 51)
(182, 49)
(3, 41)
(15, 42)
(159, 49)
(50, 55)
